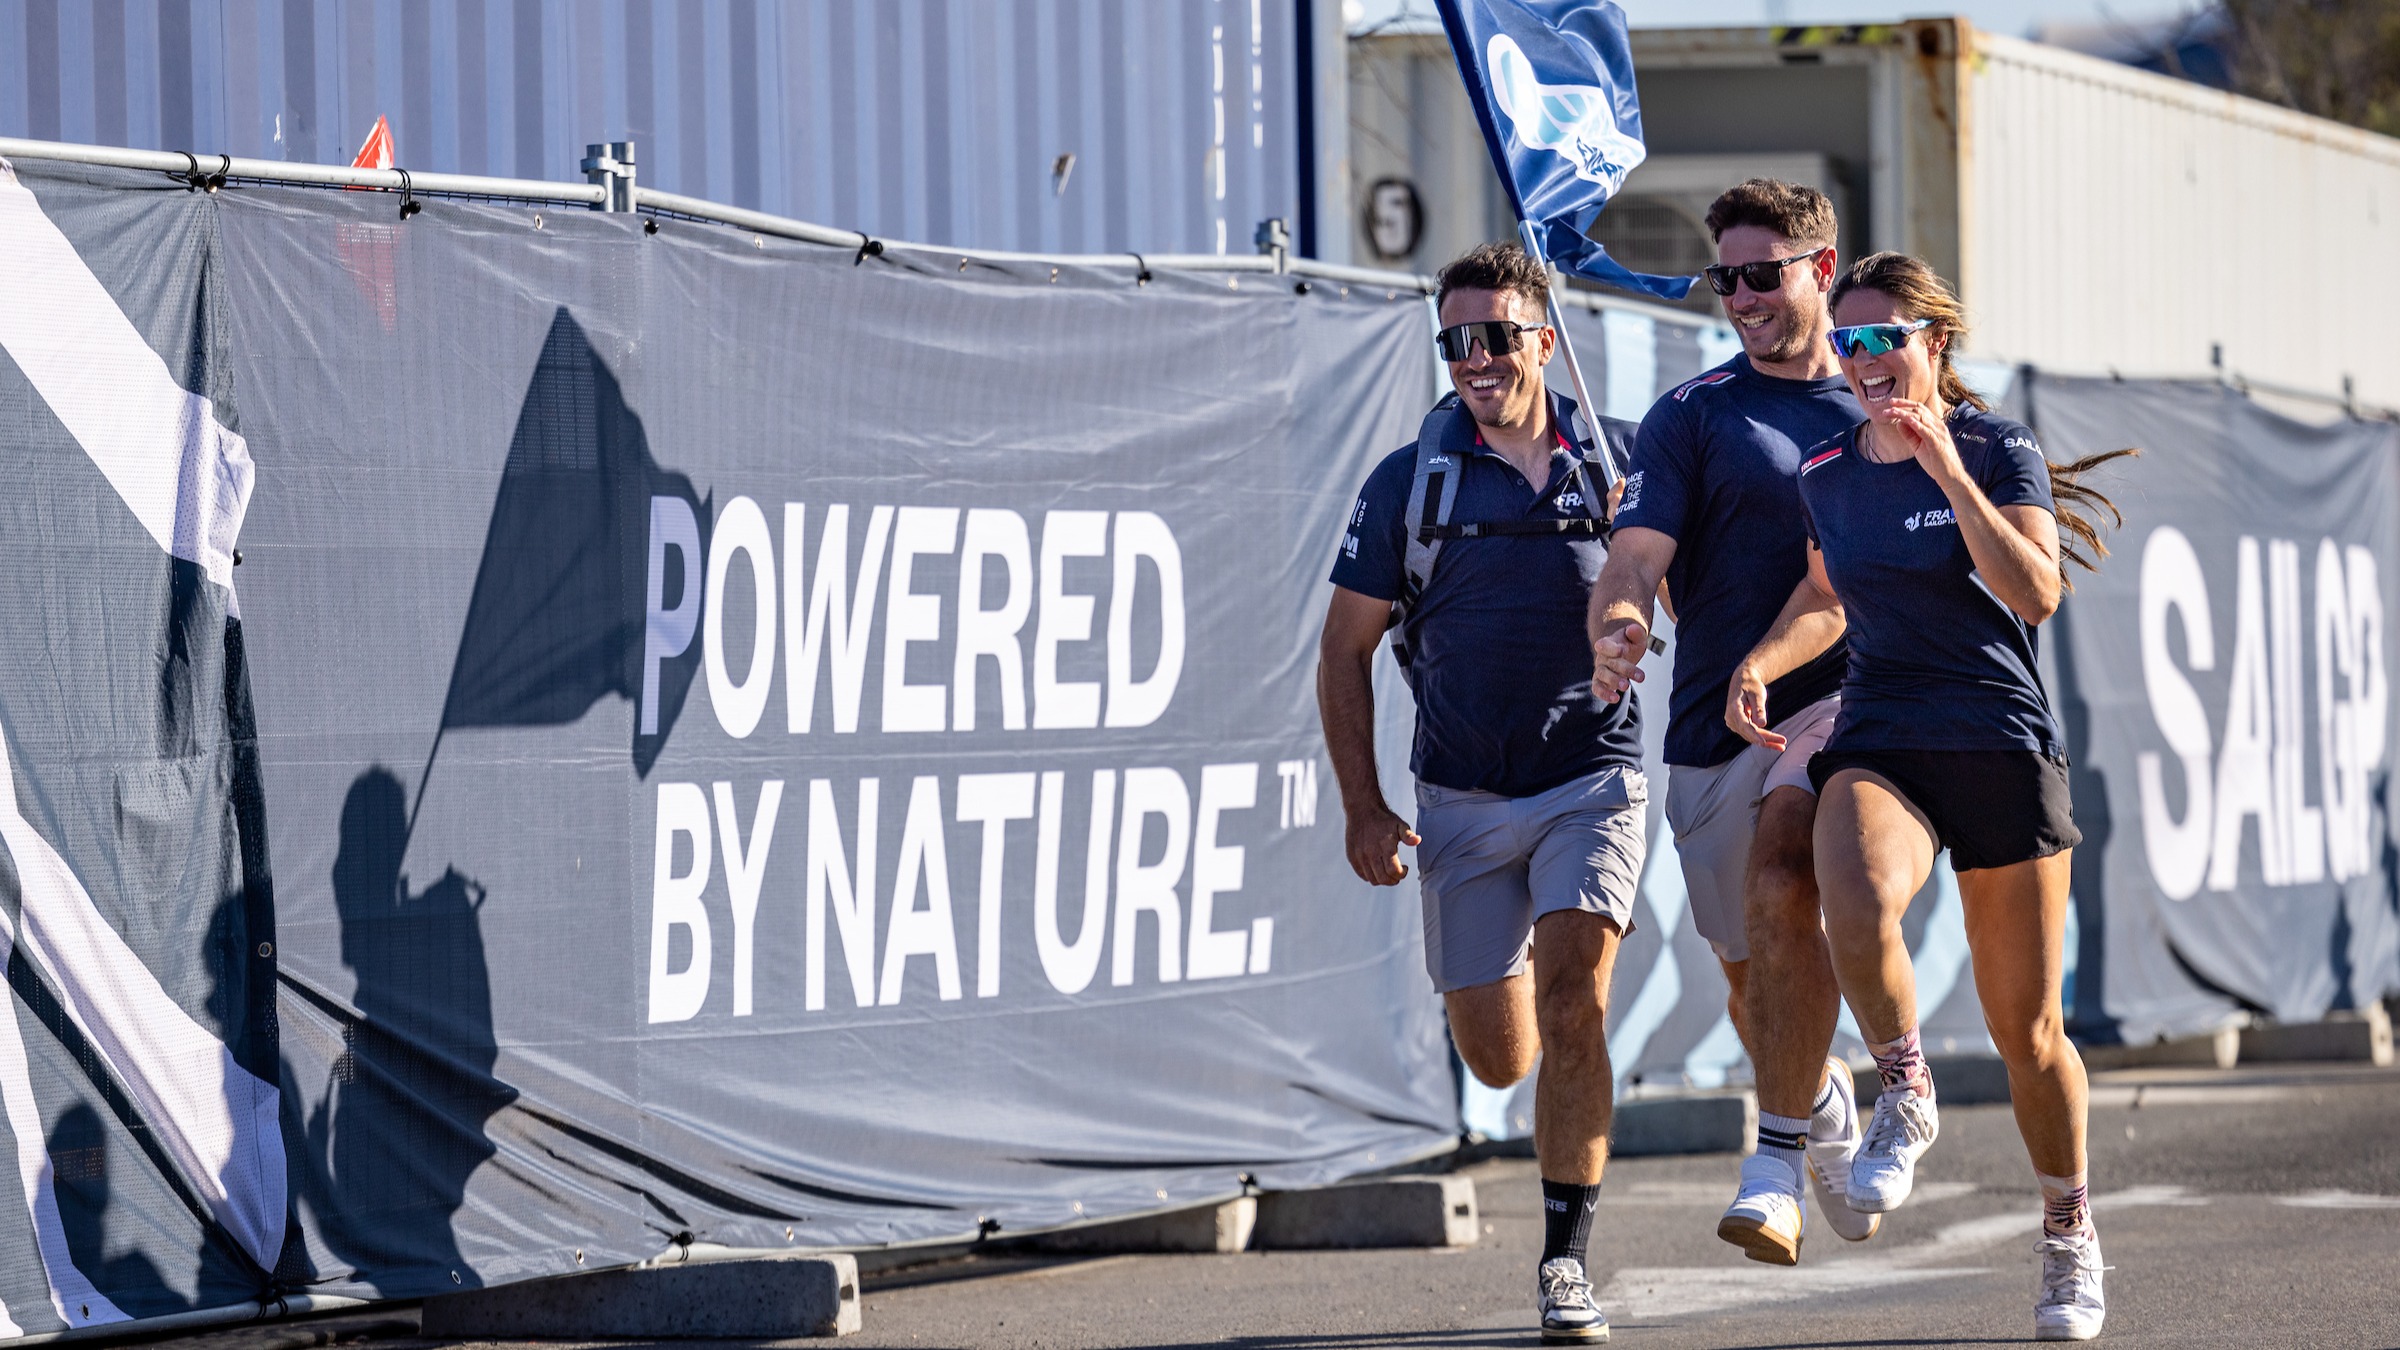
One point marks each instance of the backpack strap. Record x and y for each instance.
(1432, 493)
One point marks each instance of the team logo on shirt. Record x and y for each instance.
(1570, 501)
(1945, 516)
(1350, 547)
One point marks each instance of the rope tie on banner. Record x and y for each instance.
(195, 181)
(409, 205)
(868, 247)
(1141, 271)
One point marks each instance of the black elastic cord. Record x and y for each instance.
(409, 205)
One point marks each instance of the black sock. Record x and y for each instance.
(1566, 1219)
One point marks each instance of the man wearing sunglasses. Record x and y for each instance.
(1712, 507)
(1483, 540)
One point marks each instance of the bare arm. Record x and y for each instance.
(1618, 622)
(2015, 548)
(1372, 831)
(1811, 622)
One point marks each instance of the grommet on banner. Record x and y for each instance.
(1299, 288)
(1141, 271)
(409, 205)
(649, 224)
(868, 247)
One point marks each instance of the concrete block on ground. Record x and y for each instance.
(1386, 1212)
(2363, 1037)
(750, 1299)
(1204, 1228)
(2219, 1049)
(1961, 1080)
(1700, 1122)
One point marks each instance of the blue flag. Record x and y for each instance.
(1552, 84)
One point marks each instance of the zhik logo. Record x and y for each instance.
(1576, 121)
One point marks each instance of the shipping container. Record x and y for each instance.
(1169, 126)
(2095, 217)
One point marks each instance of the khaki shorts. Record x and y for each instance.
(1714, 813)
(1490, 866)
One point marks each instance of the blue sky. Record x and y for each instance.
(2013, 17)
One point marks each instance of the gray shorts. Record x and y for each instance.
(1714, 813)
(1490, 866)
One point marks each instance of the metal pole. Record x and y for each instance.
(1566, 348)
(610, 166)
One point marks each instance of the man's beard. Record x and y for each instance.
(1792, 339)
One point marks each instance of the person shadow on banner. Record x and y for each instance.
(403, 1125)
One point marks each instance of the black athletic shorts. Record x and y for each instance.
(1990, 808)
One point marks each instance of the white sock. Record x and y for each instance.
(1834, 1116)
(1783, 1137)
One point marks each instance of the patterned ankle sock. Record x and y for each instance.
(1902, 1063)
(2066, 1207)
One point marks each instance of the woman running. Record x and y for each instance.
(1935, 526)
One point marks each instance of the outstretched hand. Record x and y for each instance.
(1617, 660)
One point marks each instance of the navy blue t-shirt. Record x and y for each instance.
(1502, 671)
(1714, 470)
(1936, 661)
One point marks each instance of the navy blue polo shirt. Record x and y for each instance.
(1501, 667)
(1936, 661)
(1715, 469)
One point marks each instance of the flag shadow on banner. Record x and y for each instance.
(562, 597)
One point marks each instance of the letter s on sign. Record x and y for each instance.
(2171, 581)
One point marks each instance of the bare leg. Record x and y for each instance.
(1873, 850)
(1573, 955)
(2016, 928)
(1737, 1000)
(1793, 1002)
(1492, 1025)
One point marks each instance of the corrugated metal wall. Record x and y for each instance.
(2123, 220)
(929, 120)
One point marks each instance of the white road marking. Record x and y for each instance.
(2339, 1200)
(1648, 1293)
(2148, 1095)
(1718, 1194)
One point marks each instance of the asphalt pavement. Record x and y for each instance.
(2256, 1207)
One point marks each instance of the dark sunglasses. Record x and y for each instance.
(1765, 278)
(1874, 339)
(1498, 336)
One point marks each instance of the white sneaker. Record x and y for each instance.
(1829, 1163)
(1766, 1219)
(1568, 1313)
(1886, 1167)
(2071, 1308)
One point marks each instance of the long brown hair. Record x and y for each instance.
(1920, 293)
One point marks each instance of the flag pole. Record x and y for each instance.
(1566, 348)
